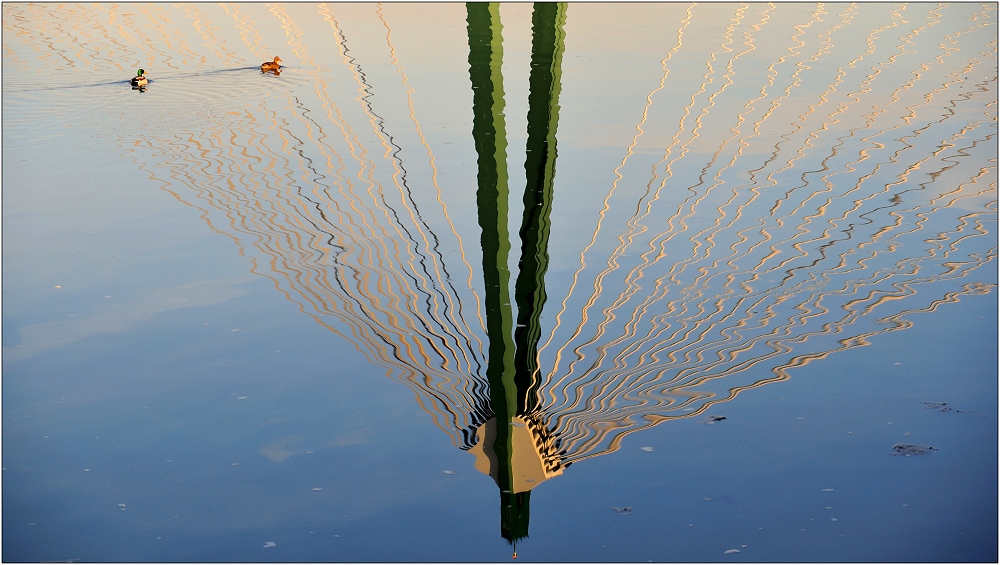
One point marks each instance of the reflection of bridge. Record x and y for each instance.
(770, 210)
(520, 451)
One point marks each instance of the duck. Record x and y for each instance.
(269, 66)
(139, 79)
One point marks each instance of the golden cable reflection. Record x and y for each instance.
(618, 174)
(434, 181)
(245, 26)
(644, 361)
(801, 180)
(203, 25)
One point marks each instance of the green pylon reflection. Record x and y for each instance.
(513, 367)
(544, 84)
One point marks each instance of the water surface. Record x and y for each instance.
(595, 282)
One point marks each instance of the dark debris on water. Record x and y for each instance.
(939, 406)
(945, 407)
(908, 449)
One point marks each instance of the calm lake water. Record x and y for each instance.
(591, 282)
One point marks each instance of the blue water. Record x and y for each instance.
(248, 317)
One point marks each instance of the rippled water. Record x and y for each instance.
(451, 251)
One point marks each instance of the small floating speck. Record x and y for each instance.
(336, 535)
(269, 544)
(649, 449)
(204, 324)
(86, 470)
(317, 489)
(309, 453)
(625, 510)
(828, 507)
(170, 461)
(906, 505)
(728, 551)
(889, 423)
(800, 418)
(828, 490)
(46, 437)
(57, 286)
(31, 523)
(241, 397)
(236, 464)
(833, 519)
(449, 472)
(897, 363)
(743, 546)
(234, 330)
(109, 296)
(690, 525)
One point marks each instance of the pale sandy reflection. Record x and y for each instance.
(776, 183)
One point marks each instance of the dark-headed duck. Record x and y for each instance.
(139, 79)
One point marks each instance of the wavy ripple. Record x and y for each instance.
(800, 181)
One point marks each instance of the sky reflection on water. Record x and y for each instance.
(717, 197)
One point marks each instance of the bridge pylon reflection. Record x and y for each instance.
(514, 446)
